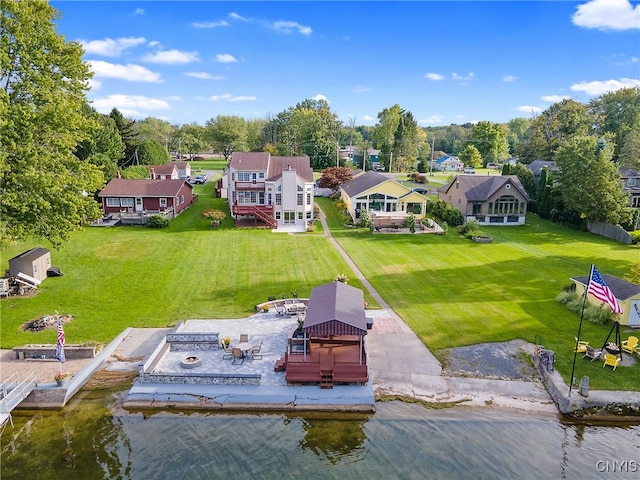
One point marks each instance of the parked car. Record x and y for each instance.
(200, 179)
(421, 190)
(469, 170)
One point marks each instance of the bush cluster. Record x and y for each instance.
(157, 221)
(445, 212)
(592, 314)
(418, 177)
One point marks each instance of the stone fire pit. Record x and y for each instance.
(190, 361)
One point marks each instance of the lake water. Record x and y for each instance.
(93, 438)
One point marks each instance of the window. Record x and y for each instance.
(113, 202)
(507, 204)
(477, 208)
(181, 199)
(289, 217)
(126, 202)
(278, 215)
(300, 198)
(261, 175)
(163, 203)
(308, 198)
(244, 176)
(309, 215)
(300, 215)
(278, 199)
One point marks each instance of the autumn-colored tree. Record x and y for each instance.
(333, 177)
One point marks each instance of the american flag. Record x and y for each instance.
(60, 344)
(599, 289)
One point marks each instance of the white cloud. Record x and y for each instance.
(288, 27)
(225, 58)
(369, 118)
(509, 78)
(529, 109)
(203, 76)
(172, 57)
(597, 87)
(131, 105)
(236, 16)
(110, 47)
(461, 78)
(554, 98)
(139, 11)
(634, 59)
(219, 23)
(608, 15)
(129, 72)
(361, 89)
(320, 97)
(434, 76)
(431, 120)
(227, 97)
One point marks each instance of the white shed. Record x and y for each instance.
(34, 262)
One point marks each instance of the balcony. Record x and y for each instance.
(250, 186)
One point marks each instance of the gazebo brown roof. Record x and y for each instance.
(335, 309)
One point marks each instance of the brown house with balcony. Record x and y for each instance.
(491, 200)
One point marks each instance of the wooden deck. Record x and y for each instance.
(329, 361)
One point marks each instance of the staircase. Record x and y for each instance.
(265, 216)
(12, 393)
(326, 378)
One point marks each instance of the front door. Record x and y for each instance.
(139, 204)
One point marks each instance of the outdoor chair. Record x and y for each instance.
(630, 345)
(226, 351)
(244, 337)
(580, 346)
(237, 356)
(255, 351)
(592, 353)
(279, 310)
(611, 360)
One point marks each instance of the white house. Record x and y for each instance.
(271, 191)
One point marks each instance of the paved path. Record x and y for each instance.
(402, 365)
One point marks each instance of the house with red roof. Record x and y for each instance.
(270, 191)
(146, 196)
(491, 200)
(163, 172)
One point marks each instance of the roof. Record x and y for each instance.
(301, 165)
(250, 161)
(478, 188)
(363, 182)
(166, 169)
(335, 309)
(123, 187)
(628, 173)
(447, 158)
(31, 254)
(620, 288)
(537, 165)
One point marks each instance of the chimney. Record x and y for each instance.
(289, 167)
(153, 173)
(118, 174)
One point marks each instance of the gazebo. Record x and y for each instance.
(335, 309)
(333, 339)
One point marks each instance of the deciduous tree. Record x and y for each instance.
(589, 180)
(47, 191)
(333, 177)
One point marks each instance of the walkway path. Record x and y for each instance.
(402, 365)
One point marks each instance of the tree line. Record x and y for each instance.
(57, 151)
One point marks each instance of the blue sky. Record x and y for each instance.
(446, 62)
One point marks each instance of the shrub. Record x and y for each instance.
(635, 237)
(591, 313)
(341, 278)
(157, 221)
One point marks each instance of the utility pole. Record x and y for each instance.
(390, 161)
(337, 153)
(433, 143)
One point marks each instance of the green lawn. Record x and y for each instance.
(122, 277)
(451, 291)
(454, 292)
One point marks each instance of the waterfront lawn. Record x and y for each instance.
(120, 277)
(453, 292)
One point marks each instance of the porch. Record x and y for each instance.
(141, 218)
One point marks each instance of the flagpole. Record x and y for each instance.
(575, 349)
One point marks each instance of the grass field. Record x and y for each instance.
(451, 291)
(119, 277)
(454, 292)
